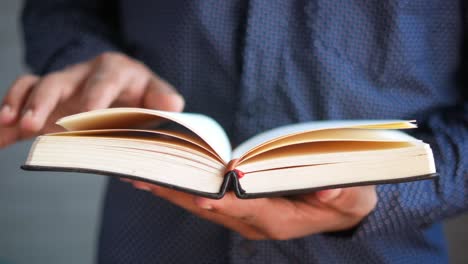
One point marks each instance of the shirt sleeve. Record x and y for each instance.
(58, 33)
(420, 204)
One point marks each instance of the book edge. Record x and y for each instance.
(219, 195)
(231, 183)
(244, 195)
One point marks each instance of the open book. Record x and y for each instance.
(191, 152)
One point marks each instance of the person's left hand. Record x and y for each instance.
(278, 218)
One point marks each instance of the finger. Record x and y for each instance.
(8, 135)
(51, 90)
(328, 195)
(186, 201)
(247, 210)
(275, 218)
(125, 180)
(161, 95)
(102, 88)
(15, 99)
(140, 185)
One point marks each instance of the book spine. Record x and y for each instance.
(235, 185)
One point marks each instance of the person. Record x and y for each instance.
(255, 65)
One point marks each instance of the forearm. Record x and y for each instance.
(58, 33)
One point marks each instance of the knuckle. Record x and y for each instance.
(24, 79)
(121, 69)
(121, 62)
(111, 57)
(108, 55)
(52, 79)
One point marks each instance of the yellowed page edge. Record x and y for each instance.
(275, 134)
(203, 126)
(193, 140)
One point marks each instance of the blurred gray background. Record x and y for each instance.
(44, 218)
(54, 218)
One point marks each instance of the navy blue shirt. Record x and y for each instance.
(258, 64)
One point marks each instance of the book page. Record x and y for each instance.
(147, 135)
(132, 118)
(296, 129)
(331, 135)
(315, 153)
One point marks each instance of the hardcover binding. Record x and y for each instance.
(230, 183)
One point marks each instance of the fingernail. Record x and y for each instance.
(27, 119)
(125, 180)
(143, 188)
(207, 207)
(6, 109)
(28, 113)
(5, 114)
(328, 195)
(203, 203)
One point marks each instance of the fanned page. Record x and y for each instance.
(189, 142)
(203, 126)
(192, 153)
(302, 132)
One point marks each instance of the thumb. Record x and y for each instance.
(354, 200)
(162, 96)
(328, 195)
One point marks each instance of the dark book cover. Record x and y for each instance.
(230, 183)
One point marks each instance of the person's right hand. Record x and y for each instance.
(33, 104)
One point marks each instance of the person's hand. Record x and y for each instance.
(33, 104)
(278, 218)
